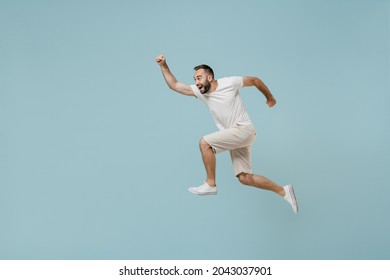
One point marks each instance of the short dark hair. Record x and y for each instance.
(206, 68)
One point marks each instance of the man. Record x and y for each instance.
(236, 132)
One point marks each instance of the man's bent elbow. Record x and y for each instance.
(251, 81)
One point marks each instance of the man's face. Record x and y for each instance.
(202, 81)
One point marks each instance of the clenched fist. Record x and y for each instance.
(161, 59)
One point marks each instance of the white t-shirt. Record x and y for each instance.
(225, 103)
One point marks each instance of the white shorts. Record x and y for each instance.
(238, 140)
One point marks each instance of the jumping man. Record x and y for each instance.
(236, 131)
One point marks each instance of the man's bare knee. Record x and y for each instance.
(204, 145)
(244, 178)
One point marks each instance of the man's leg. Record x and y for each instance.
(209, 161)
(241, 159)
(286, 192)
(208, 187)
(242, 163)
(260, 182)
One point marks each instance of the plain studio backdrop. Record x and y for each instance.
(96, 153)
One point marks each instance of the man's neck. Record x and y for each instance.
(214, 86)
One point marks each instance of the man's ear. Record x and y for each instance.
(209, 78)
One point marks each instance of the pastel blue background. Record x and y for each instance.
(96, 153)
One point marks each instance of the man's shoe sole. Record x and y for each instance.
(197, 193)
(292, 194)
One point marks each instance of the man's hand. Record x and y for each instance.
(161, 60)
(271, 102)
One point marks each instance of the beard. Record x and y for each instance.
(205, 87)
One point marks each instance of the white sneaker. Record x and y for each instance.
(290, 197)
(203, 189)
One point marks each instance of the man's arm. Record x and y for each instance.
(254, 81)
(171, 80)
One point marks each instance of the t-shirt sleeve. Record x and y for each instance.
(196, 91)
(237, 81)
